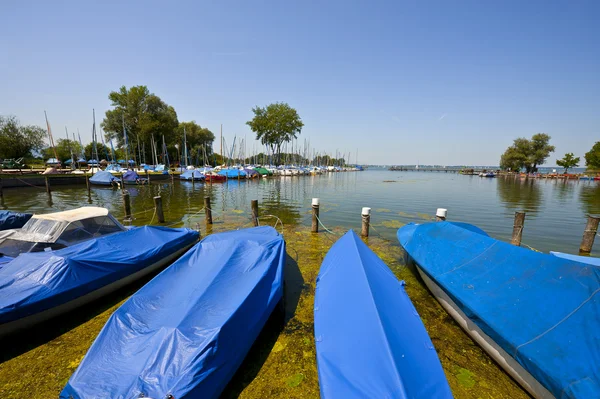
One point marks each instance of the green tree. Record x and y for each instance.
(64, 148)
(145, 114)
(526, 153)
(569, 161)
(103, 150)
(196, 136)
(18, 141)
(275, 124)
(592, 157)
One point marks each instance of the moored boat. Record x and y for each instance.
(185, 333)
(192, 174)
(588, 260)
(103, 178)
(535, 314)
(370, 340)
(35, 287)
(131, 177)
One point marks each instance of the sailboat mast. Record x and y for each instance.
(222, 143)
(125, 140)
(50, 139)
(185, 147)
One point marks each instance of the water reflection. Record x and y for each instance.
(589, 197)
(521, 194)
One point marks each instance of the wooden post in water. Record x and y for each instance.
(87, 184)
(159, 209)
(315, 215)
(47, 186)
(517, 233)
(148, 178)
(172, 177)
(127, 205)
(254, 206)
(207, 210)
(440, 214)
(591, 229)
(366, 220)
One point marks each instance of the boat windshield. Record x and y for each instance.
(36, 230)
(86, 229)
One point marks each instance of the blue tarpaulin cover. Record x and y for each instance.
(544, 311)
(13, 220)
(370, 340)
(232, 173)
(130, 175)
(192, 174)
(102, 178)
(577, 258)
(34, 282)
(186, 332)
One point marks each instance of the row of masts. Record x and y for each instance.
(292, 152)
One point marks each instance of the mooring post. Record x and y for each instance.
(315, 215)
(47, 186)
(127, 205)
(159, 209)
(207, 210)
(366, 220)
(254, 206)
(440, 214)
(148, 177)
(87, 184)
(591, 229)
(122, 183)
(517, 233)
(172, 177)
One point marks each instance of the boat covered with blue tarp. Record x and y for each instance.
(37, 286)
(192, 174)
(589, 260)
(232, 173)
(103, 178)
(370, 340)
(536, 314)
(13, 220)
(131, 177)
(185, 333)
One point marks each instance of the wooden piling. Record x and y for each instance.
(127, 205)
(517, 233)
(591, 229)
(207, 210)
(159, 209)
(440, 214)
(366, 220)
(315, 215)
(87, 184)
(254, 206)
(148, 178)
(47, 186)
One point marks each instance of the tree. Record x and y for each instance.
(592, 157)
(64, 148)
(146, 116)
(569, 161)
(527, 154)
(275, 124)
(103, 151)
(196, 136)
(18, 141)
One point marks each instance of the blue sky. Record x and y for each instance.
(448, 82)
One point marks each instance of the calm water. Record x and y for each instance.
(556, 210)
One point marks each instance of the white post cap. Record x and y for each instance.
(315, 202)
(366, 211)
(441, 212)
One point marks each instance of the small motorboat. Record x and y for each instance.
(131, 177)
(186, 332)
(192, 174)
(35, 287)
(13, 220)
(370, 340)
(535, 314)
(57, 230)
(103, 178)
(233, 173)
(215, 177)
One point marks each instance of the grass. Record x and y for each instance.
(38, 363)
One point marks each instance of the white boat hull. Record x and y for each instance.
(25, 322)
(507, 362)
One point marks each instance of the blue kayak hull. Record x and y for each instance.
(186, 332)
(370, 340)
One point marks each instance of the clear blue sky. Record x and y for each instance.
(448, 82)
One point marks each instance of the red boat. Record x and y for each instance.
(215, 177)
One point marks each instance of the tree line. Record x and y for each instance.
(528, 154)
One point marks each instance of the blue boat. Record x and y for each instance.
(38, 286)
(103, 178)
(536, 314)
(131, 177)
(370, 340)
(13, 220)
(233, 173)
(186, 332)
(588, 260)
(192, 174)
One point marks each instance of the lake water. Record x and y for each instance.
(556, 209)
